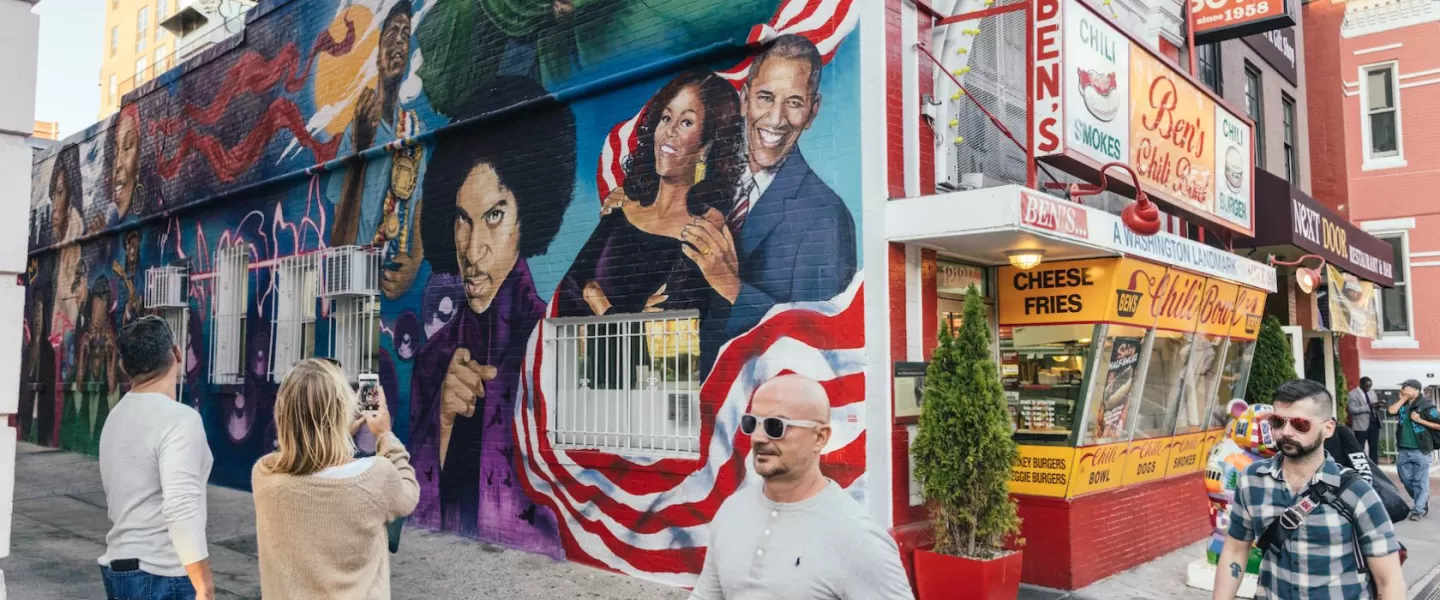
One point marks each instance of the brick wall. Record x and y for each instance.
(1071, 544)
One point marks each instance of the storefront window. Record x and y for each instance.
(1164, 384)
(1116, 377)
(1233, 377)
(1043, 369)
(1199, 390)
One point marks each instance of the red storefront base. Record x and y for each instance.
(1070, 544)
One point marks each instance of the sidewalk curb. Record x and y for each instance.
(1413, 593)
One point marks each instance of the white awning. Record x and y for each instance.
(983, 225)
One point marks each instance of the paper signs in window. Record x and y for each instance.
(909, 388)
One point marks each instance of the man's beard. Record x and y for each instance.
(1292, 448)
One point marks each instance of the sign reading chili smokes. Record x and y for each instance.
(1100, 98)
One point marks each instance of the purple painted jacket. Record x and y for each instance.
(478, 493)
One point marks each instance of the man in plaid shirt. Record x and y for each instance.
(1318, 560)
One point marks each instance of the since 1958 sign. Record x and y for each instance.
(1101, 98)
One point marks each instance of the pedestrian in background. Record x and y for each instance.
(798, 536)
(1414, 438)
(320, 513)
(1323, 530)
(1365, 418)
(154, 465)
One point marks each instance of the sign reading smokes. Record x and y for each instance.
(1101, 98)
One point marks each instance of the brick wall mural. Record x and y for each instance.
(599, 224)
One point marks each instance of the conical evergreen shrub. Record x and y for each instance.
(963, 451)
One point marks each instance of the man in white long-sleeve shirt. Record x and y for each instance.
(154, 463)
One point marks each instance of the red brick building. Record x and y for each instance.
(1370, 118)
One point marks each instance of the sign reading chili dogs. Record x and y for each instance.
(1100, 98)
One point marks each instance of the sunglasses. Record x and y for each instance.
(774, 427)
(1299, 424)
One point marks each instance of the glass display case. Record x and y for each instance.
(1234, 374)
(1201, 377)
(1043, 370)
(1165, 382)
(1116, 377)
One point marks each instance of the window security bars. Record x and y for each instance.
(227, 328)
(294, 280)
(627, 385)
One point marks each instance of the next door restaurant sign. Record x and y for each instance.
(1292, 217)
(1101, 98)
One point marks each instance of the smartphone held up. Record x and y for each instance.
(369, 396)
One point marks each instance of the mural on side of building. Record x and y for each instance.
(594, 242)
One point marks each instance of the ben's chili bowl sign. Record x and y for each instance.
(1117, 102)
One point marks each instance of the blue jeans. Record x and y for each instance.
(139, 585)
(1414, 467)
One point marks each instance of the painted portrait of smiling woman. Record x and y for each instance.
(122, 162)
(686, 166)
(491, 210)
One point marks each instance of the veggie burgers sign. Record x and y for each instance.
(1098, 97)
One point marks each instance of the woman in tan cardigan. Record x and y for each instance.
(320, 513)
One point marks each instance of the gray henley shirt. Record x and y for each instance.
(825, 547)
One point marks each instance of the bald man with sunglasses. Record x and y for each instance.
(798, 535)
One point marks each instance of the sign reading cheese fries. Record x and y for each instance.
(1117, 102)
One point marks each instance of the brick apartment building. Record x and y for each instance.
(1374, 122)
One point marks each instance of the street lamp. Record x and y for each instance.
(1141, 217)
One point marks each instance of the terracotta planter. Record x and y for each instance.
(941, 577)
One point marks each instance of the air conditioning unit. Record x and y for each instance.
(167, 287)
(349, 271)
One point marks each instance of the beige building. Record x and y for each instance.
(136, 48)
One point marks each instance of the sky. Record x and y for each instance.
(71, 40)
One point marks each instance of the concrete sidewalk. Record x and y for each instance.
(60, 524)
(1164, 578)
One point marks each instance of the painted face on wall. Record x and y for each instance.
(678, 137)
(394, 49)
(59, 206)
(132, 252)
(127, 161)
(487, 235)
(779, 104)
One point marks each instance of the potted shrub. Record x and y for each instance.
(963, 455)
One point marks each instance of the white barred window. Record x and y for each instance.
(227, 328)
(293, 328)
(626, 384)
(167, 293)
(350, 278)
(355, 322)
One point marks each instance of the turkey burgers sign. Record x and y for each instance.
(1099, 97)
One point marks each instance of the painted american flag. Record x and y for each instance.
(648, 517)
